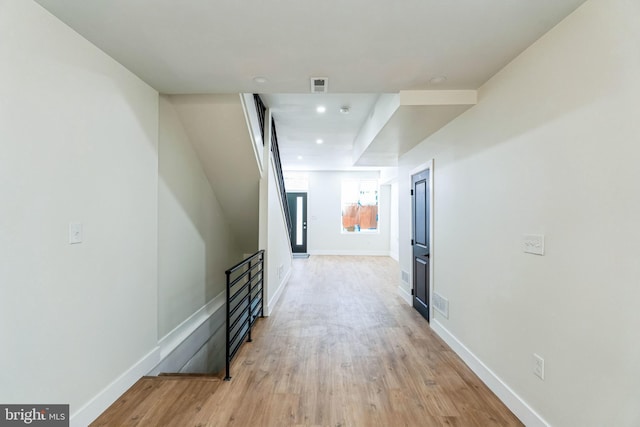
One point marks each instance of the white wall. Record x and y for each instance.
(195, 244)
(551, 148)
(324, 213)
(78, 139)
(279, 245)
(218, 130)
(274, 236)
(394, 225)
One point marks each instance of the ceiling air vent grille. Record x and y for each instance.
(319, 84)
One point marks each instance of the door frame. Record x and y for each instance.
(305, 244)
(418, 169)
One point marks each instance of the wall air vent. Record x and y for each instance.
(319, 84)
(405, 276)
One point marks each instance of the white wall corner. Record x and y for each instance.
(384, 108)
(268, 309)
(515, 403)
(96, 406)
(406, 296)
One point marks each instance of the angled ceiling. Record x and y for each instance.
(363, 46)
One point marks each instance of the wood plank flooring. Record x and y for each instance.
(340, 349)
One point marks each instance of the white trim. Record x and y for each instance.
(515, 403)
(96, 406)
(276, 295)
(341, 252)
(180, 333)
(251, 117)
(406, 296)
(149, 364)
(170, 342)
(414, 171)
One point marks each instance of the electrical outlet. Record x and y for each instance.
(538, 366)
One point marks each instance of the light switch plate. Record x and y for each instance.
(538, 366)
(75, 232)
(534, 244)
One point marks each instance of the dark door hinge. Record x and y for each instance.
(411, 291)
(411, 242)
(412, 192)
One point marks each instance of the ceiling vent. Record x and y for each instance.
(319, 84)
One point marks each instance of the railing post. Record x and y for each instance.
(249, 304)
(228, 350)
(236, 310)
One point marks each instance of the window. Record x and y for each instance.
(359, 206)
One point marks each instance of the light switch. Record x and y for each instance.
(75, 232)
(534, 244)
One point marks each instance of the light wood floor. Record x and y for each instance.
(340, 349)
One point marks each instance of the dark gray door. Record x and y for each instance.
(298, 212)
(421, 209)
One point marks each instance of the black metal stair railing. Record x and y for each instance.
(245, 303)
(262, 111)
(279, 175)
(275, 154)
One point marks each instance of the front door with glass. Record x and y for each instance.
(298, 211)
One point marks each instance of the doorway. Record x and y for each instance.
(420, 242)
(298, 213)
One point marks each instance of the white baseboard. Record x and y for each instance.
(519, 407)
(180, 333)
(405, 295)
(172, 352)
(96, 406)
(349, 253)
(276, 295)
(184, 341)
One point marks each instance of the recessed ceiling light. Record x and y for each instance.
(438, 80)
(344, 110)
(299, 157)
(260, 79)
(321, 109)
(319, 141)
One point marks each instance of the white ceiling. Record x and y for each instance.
(365, 47)
(299, 126)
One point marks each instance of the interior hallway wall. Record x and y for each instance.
(324, 213)
(551, 148)
(78, 137)
(394, 225)
(278, 254)
(195, 244)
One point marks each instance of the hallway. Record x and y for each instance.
(340, 349)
